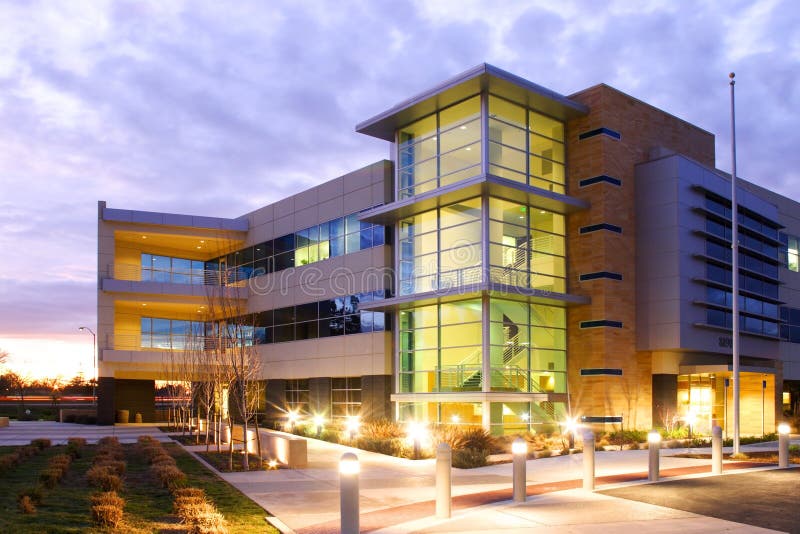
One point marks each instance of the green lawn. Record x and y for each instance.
(66, 508)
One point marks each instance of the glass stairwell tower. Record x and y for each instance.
(480, 284)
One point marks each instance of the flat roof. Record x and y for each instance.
(464, 85)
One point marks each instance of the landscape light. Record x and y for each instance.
(519, 446)
(783, 428)
(349, 464)
(417, 432)
(319, 422)
(351, 425)
(653, 437)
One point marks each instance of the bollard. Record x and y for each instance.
(519, 450)
(654, 449)
(348, 493)
(783, 445)
(588, 460)
(716, 450)
(444, 457)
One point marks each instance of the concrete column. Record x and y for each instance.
(444, 462)
(348, 493)
(375, 395)
(519, 450)
(588, 460)
(783, 445)
(654, 450)
(105, 400)
(716, 450)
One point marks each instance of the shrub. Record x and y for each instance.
(631, 438)
(9, 461)
(26, 505)
(544, 453)
(40, 443)
(381, 429)
(108, 440)
(181, 504)
(163, 459)
(109, 498)
(104, 477)
(476, 438)
(115, 466)
(469, 458)
(76, 441)
(50, 477)
(34, 494)
(170, 476)
(391, 447)
(203, 518)
(106, 515)
(189, 492)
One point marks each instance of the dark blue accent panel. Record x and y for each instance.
(598, 179)
(601, 419)
(601, 323)
(600, 131)
(601, 372)
(601, 226)
(600, 274)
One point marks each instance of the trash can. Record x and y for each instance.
(137, 418)
(123, 416)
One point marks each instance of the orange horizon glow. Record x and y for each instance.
(56, 356)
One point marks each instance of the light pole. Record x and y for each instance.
(94, 361)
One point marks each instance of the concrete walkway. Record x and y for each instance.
(396, 495)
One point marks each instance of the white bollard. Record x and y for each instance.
(588, 460)
(716, 450)
(444, 463)
(348, 493)
(654, 449)
(783, 445)
(519, 450)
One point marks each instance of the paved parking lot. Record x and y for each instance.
(767, 499)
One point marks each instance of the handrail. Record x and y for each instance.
(135, 273)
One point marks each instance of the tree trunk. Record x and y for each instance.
(230, 443)
(258, 440)
(208, 425)
(218, 429)
(246, 442)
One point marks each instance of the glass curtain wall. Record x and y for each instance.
(527, 246)
(441, 347)
(525, 146)
(440, 149)
(528, 347)
(440, 248)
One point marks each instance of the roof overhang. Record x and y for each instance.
(469, 83)
(723, 368)
(485, 184)
(493, 289)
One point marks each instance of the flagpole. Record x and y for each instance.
(735, 273)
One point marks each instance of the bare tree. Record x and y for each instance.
(4, 355)
(238, 360)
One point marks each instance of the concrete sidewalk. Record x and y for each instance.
(396, 495)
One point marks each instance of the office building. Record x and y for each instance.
(522, 256)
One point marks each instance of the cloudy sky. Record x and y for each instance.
(218, 108)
